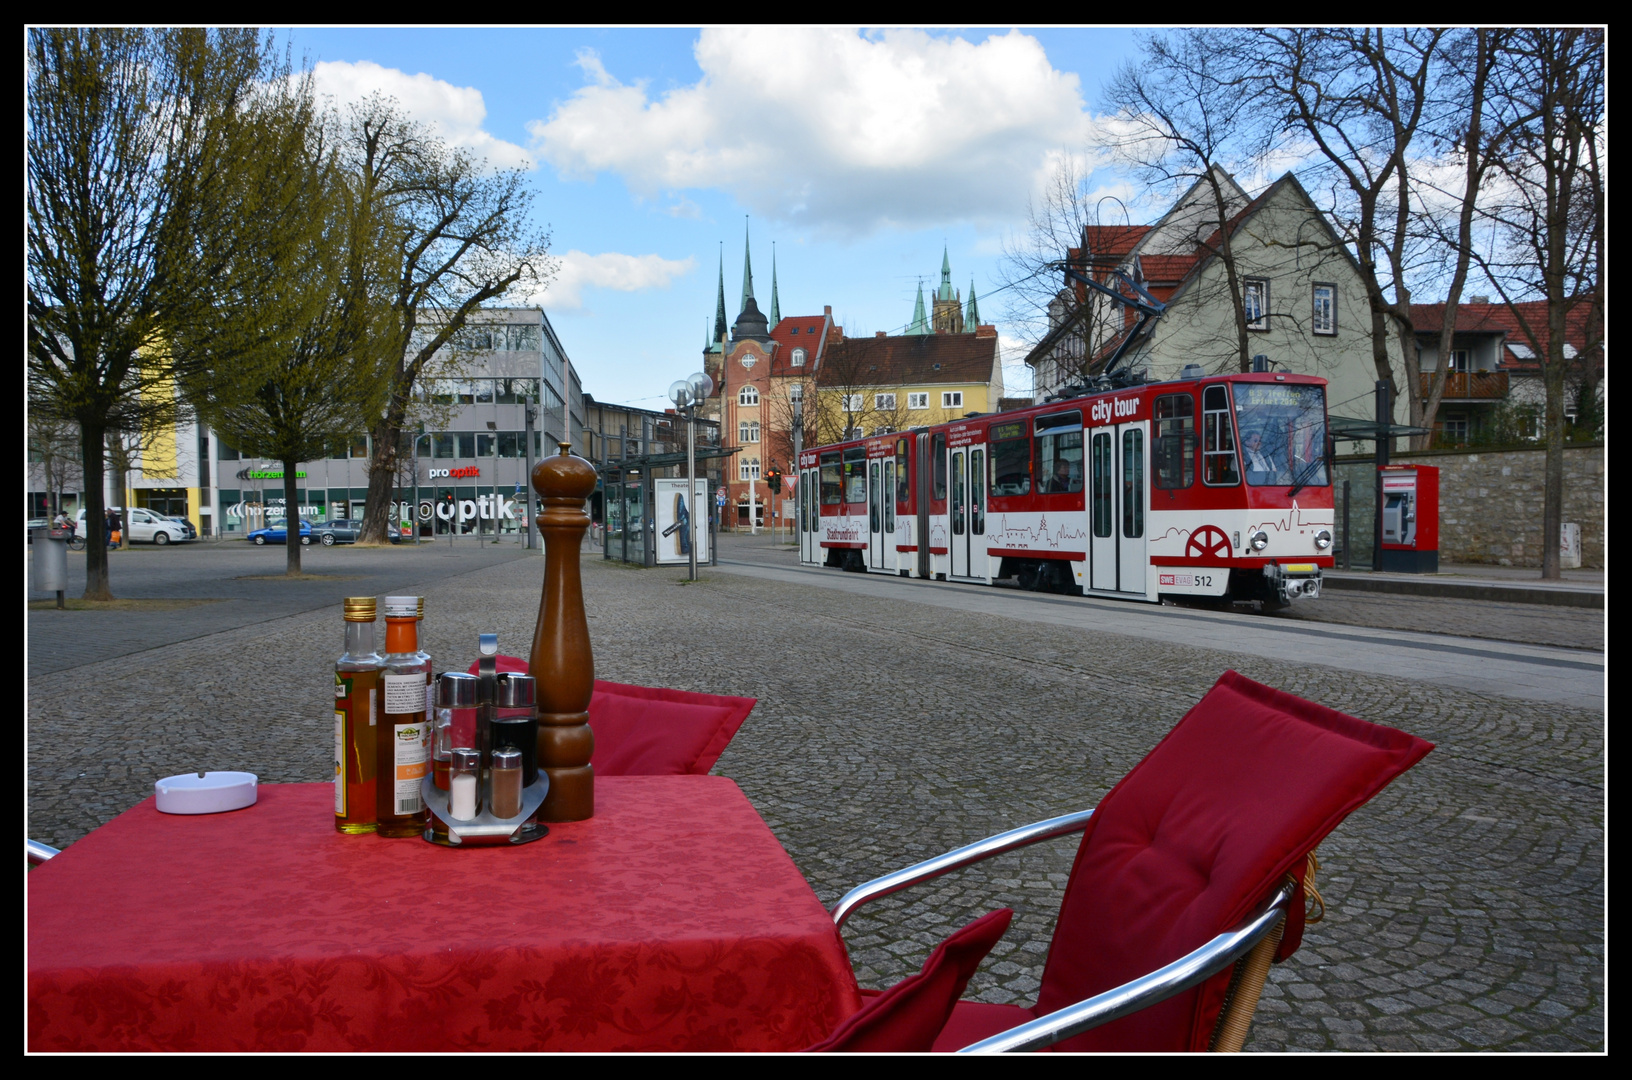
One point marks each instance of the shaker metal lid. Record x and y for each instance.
(507, 757)
(455, 690)
(517, 691)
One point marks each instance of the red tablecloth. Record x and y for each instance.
(672, 920)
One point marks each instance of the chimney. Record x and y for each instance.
(986, 330)
(879, 333)
(827, 310)
(1478, 299)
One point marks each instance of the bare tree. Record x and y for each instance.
(457, 235)
(1549, 219)
(53, 454)
(1189, 113)
(1360, 97)
(139, 142)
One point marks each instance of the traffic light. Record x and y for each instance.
(773, 478)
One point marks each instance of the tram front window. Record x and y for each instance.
(1283, 433)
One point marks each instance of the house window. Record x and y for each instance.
(798, 357)
(951, 399)
(1461, 361)
(748, 431)
(1257, 304)
(883, 402)
(1323, 318)
(748, 470)
(1456, 428)
(852, 403)
(748, 396)
(918, 401)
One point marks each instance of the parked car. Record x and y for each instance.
(147, 527)
(277, 532)
(339, 531)
(192, 533)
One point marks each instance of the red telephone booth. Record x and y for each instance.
(1410, 509)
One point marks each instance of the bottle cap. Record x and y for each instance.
(421, 615)
(359, 608)
(402, 607)
(506, 757)
(455, 690)
(517, 691)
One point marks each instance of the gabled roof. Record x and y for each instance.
(909, 359)
(1517, 352)
(796, 332)
(1110, 242)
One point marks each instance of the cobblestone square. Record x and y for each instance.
(1464, 904)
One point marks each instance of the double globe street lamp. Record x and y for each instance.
(687, 394)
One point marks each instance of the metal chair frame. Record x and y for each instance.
(1194, 967)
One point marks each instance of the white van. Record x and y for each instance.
(145, 526)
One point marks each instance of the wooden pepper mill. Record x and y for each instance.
(561, 660)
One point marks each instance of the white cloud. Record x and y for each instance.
(608, 270)
(844, 131)
(454, 113)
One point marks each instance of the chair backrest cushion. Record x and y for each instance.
(1201, 830)
(907, 1017)
(654, 731)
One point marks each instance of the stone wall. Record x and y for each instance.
(1490, 502)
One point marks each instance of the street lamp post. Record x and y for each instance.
(687, 394)
(796, 394)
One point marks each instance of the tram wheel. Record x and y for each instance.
(854, 564)
(1029, 575)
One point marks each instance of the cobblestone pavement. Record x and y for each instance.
(1534, 624)
(1465, 903)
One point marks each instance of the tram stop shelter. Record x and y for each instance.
(629, 503)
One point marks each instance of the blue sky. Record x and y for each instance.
(860, 154)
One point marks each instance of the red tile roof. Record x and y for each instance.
(1499, 318)
(909, 358)
(795, 332)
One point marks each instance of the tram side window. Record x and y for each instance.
(855, 475)
(1058, 465)
(937, 450)
(1011, 460)
(832, 486)
(1173, 441)
(903, 477)
(1133, 484)
(1218, 440)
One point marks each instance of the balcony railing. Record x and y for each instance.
(1471, 385)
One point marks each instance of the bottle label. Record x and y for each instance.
(409, 744)
(404, 694)
(339, 763)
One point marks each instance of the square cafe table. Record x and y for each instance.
(672, 920)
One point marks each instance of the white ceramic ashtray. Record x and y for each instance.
(205, 793)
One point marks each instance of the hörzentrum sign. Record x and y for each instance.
(267, 474)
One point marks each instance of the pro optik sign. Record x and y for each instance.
(484, 508)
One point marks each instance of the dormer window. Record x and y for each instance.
(798, 359)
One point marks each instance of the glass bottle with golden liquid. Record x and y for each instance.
(356, 681)
(404, 736)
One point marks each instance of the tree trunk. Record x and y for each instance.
(382, 474)
(291, 520)
(92, 458)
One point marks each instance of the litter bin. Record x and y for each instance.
(50, 569)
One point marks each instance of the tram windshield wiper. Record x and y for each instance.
(1302, 479)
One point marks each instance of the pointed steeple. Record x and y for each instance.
(919, 325)
(944, 293)
(971, 318)
(747, 270)
(721, 325)
(776, 308)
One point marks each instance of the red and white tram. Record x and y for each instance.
(1204, 487)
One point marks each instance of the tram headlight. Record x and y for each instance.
(1259, 541)
(1323, 539)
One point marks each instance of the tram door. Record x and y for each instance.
(875, 515)
(810, 518)
(1116, 508)
(959, 513)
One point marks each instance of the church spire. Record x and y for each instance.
(944, 293)
(972, 318)
(747, 269)
(776, 308)
(920, 325)
(721, 325)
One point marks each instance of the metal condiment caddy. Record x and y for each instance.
(504, 703)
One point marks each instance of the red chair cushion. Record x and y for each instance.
(1232, 800)
(652, 731)
(907, 1017)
